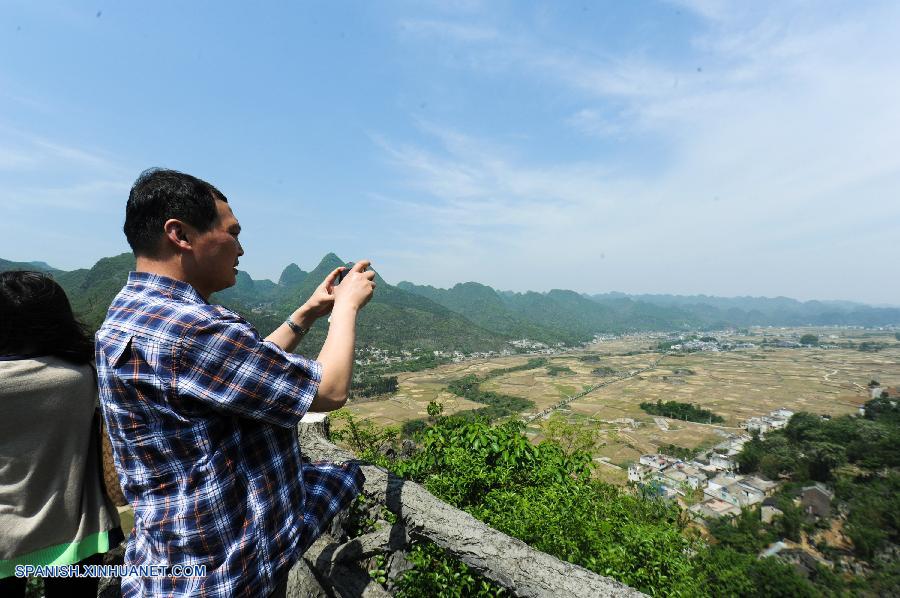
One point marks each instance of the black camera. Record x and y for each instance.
(343, 273)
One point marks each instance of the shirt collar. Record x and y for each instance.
(170, 287)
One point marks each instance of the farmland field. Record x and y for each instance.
(736, 384)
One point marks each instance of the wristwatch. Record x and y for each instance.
(299, 330)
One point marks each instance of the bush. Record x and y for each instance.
(498, 405)
(546, 497)
(555, 370)
(682, 411)
(435, 573)
(680, 452)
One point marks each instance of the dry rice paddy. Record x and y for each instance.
(736, 385)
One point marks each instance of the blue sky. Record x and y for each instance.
(727, 148)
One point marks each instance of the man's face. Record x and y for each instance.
(216, 253)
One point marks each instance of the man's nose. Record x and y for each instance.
(240, 249)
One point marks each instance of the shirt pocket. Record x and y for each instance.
(114, 350)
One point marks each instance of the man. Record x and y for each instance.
(202, 412)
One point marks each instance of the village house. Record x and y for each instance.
(637, 472)
(657, 462)
(695, 476)
(672, 478)
(714, 508)
(705, 468)
(766, 487)
(720, 481)
(732, 489)
(721, 462)
(816, 500)
(774, 421)
(756, 424)
(768, 513)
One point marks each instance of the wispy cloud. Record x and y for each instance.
(783, 139)
(462, 32)
(36, 171)
(592, 122)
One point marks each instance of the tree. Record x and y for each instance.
(822, 458)
(804, 426)
(809, 339)
(779, 457)
(883, 408)
(573, 438)
(774, 579)
(751, 454)
(791, 520)
(743, 533)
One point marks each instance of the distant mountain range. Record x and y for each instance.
(471, 316)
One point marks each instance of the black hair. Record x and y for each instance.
(159, 194)
(38, 320)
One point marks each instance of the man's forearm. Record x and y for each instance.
(336, 358)
(285, 337)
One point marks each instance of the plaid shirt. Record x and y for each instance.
(202, 416)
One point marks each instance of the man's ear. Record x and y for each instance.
(177, 234)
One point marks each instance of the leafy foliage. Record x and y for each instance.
(556, 370)
(370, 385)
(873, 503)
(727, 572)
(527, 490)
(682, 411)
(436, 574)
(497, 405)
(603, 370)
(685, 454)
(366, 439)
(883, 408)
(809, 339)
(813, 448)
(743, 533)
(571, 437)
(545, 496)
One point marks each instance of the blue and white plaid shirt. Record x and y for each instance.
(202, 416)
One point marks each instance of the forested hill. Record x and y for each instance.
(394, 319)
(560, 315)
(765, 311)
(471, 316)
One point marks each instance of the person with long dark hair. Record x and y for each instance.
(53, 509)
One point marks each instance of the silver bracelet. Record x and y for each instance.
(299, 330)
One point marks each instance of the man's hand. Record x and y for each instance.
(336, 356)
(321, 301)
(356, 289)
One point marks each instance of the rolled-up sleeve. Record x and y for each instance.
(227, 366)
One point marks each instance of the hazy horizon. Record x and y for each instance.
(668, 147)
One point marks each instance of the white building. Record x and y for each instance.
(723, 462)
